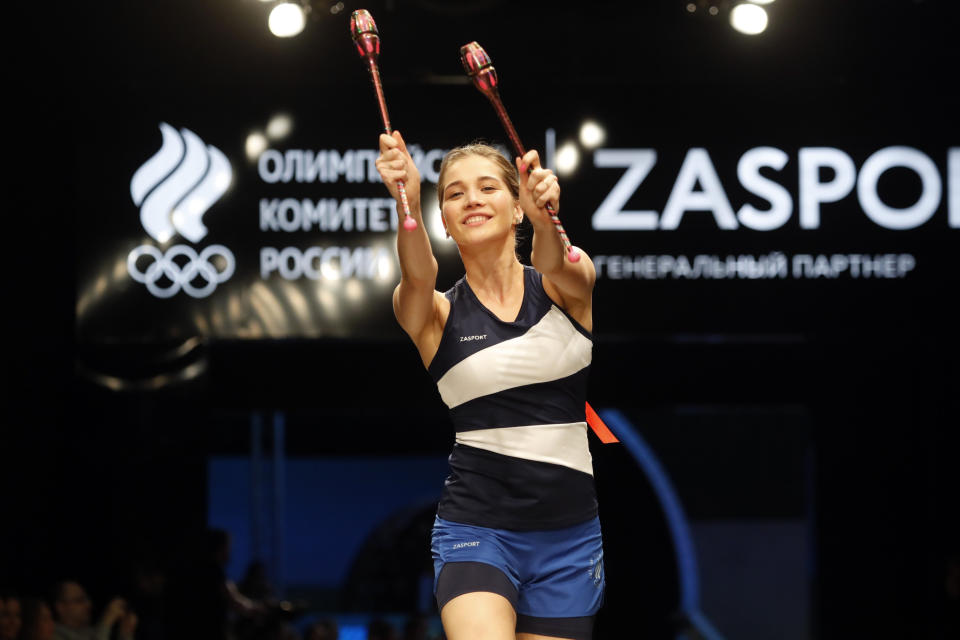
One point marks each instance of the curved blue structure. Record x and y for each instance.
(686, 557)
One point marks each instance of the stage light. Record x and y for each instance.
(353, 290)
(286, 20)
(568, 157)
(255, 145)
(329, 271)
(385, 270)
(704, 7)
(761, 1)
(296, 302)
(328, 302)
(592, 134)
(279, 126)
(749, 19)
(433, 222)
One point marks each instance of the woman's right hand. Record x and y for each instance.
(395, 165)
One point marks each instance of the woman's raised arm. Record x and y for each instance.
(569, 283)
(414, 299)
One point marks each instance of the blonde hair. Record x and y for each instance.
(484, 150)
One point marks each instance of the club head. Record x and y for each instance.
(478, 66)
(363, 30)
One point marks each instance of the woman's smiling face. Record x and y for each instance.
(477, 203)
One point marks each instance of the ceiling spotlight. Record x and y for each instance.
(707, 8)
(761, 1)
(255, 145)
(279, 126)
(286, 20)
(749, 19)
(592, 134)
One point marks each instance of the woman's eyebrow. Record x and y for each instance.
(459, 183)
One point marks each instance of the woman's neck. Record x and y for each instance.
(499, 275)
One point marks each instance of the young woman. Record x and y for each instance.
(516, 543)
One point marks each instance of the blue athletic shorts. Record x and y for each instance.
(546, 575)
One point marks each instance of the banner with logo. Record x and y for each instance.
(250, 218)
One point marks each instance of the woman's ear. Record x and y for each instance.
(517, 214)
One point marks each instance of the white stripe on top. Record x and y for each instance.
(550, 350)
(563, 444)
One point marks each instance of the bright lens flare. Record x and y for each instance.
(279, 126)
(592, 134)
(286, 20)
(749, 19)
(567, 159)
(255, 145)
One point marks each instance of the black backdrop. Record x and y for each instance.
(89, 470)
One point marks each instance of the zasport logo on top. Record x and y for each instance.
(174, 189)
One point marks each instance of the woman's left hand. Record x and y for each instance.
(538, 188)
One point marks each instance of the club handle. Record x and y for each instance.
(572, 254)
(409, 222)
(494, 96)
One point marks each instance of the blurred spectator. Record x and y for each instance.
(272, 617)
(9, 616)
(37, 621)
(203, 601)
(380, 629)
(255, 584)
(73, 609)
(322, 630)
(147, 598)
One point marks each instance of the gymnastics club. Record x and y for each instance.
(478, 66)
(364, 32)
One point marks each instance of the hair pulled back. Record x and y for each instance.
(484, 150)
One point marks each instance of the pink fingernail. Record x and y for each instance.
(523, 168)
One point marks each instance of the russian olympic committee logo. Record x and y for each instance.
(173, 189)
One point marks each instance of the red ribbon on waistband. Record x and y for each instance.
(603, 432)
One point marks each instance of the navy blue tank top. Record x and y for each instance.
(516, 393)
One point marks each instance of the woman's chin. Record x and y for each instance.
(485, 236)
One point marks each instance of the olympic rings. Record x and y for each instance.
(181, 277)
